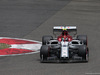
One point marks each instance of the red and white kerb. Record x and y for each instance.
(19, 46)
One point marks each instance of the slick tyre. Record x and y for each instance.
(84, 53)
(44, 53)
(87, 56)
(45, 39)
(83, 38)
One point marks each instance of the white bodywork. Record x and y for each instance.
(64, 49)
(65, 46)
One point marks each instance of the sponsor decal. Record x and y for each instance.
(16, 46)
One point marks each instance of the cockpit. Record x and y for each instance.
(64, 33)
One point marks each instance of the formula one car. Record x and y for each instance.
(64, 48)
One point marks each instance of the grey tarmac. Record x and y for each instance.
(37, 19)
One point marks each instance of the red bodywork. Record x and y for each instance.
(65, 36)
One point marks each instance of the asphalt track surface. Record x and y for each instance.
(32, 19)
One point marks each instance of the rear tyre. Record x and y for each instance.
(83, 38)
(45, 39)
(44, 53)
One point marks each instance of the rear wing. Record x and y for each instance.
(67, 28)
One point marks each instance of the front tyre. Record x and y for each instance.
(44, 53)
(87, 56)
(84, 53)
